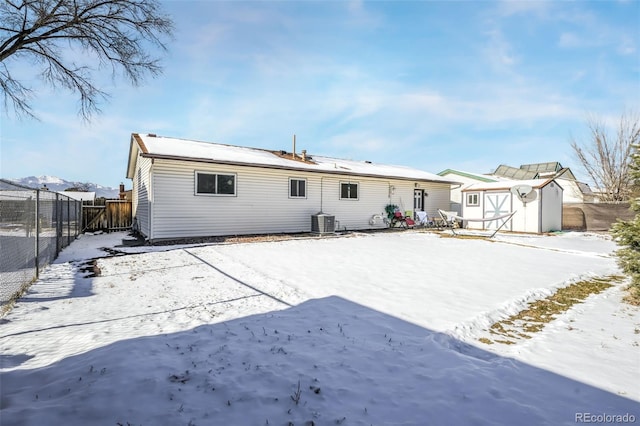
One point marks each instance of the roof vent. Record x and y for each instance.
(152, 135)
(367, 161)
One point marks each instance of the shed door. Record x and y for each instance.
(497, 204)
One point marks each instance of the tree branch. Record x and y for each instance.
(116, 32)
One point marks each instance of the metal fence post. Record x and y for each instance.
(37, 228)
(68, 222)
(58, 224)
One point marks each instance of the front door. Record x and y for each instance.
(418, 201)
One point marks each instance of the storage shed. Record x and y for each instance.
(184, 188)
(541, 210)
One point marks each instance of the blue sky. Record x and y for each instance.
(426, 84)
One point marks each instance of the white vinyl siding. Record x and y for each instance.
(140, 195)
(264, 204)
(437, 197)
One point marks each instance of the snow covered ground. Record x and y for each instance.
(363, 329)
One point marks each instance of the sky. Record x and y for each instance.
(425, 84)
(240, 334)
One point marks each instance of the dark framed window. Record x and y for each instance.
(215, 184)
(473, 199)
(297, 188)
(348, 191)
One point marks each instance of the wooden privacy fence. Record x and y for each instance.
(594, 216)
(115, 215)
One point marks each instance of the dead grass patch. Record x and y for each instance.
(541, 312)
(466, 237)
(633, 295)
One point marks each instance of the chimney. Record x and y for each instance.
(304, 155)
(122, 191)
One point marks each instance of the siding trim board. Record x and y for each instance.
(276, 167)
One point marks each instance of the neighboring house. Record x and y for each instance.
(574, 191)
(124, 194)
(465, 178)
(184, 188)
(542, 213)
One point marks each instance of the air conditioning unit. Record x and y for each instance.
(322, 223)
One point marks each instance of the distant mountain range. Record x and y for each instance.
(57, 184)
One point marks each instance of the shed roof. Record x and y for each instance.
(182, 149)
(507, 185)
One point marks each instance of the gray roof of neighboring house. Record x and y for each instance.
(551, 167)
(535, 171)
(515, 173)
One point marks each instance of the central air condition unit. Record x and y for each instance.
(322, 223)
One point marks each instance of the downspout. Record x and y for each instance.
(150, 201)
(541, 211)
(321, 191)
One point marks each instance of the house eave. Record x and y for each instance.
(292, 168)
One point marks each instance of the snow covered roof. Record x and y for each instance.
(79, 195)
(476, 176)
(181, 149)
(507, 185)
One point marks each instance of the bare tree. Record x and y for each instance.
(606, 158)
(113, 33)
(80, 187)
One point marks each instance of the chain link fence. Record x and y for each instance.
(35, 225)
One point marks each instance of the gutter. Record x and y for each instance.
(298, 169)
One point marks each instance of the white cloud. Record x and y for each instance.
(499, 52)
(570, 40)
(626, 46)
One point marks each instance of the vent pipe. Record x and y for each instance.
(294, 147)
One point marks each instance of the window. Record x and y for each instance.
(215, 184)
(348, 191)
(297, 188)
(473, 200)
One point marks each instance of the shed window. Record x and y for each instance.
(473, 199)
(297, 188)
(348, 191)
(215, 184)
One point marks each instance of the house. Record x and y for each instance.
(574, 191)
(465, 178)
(124, 194)
(184, 188)
(540, 211)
